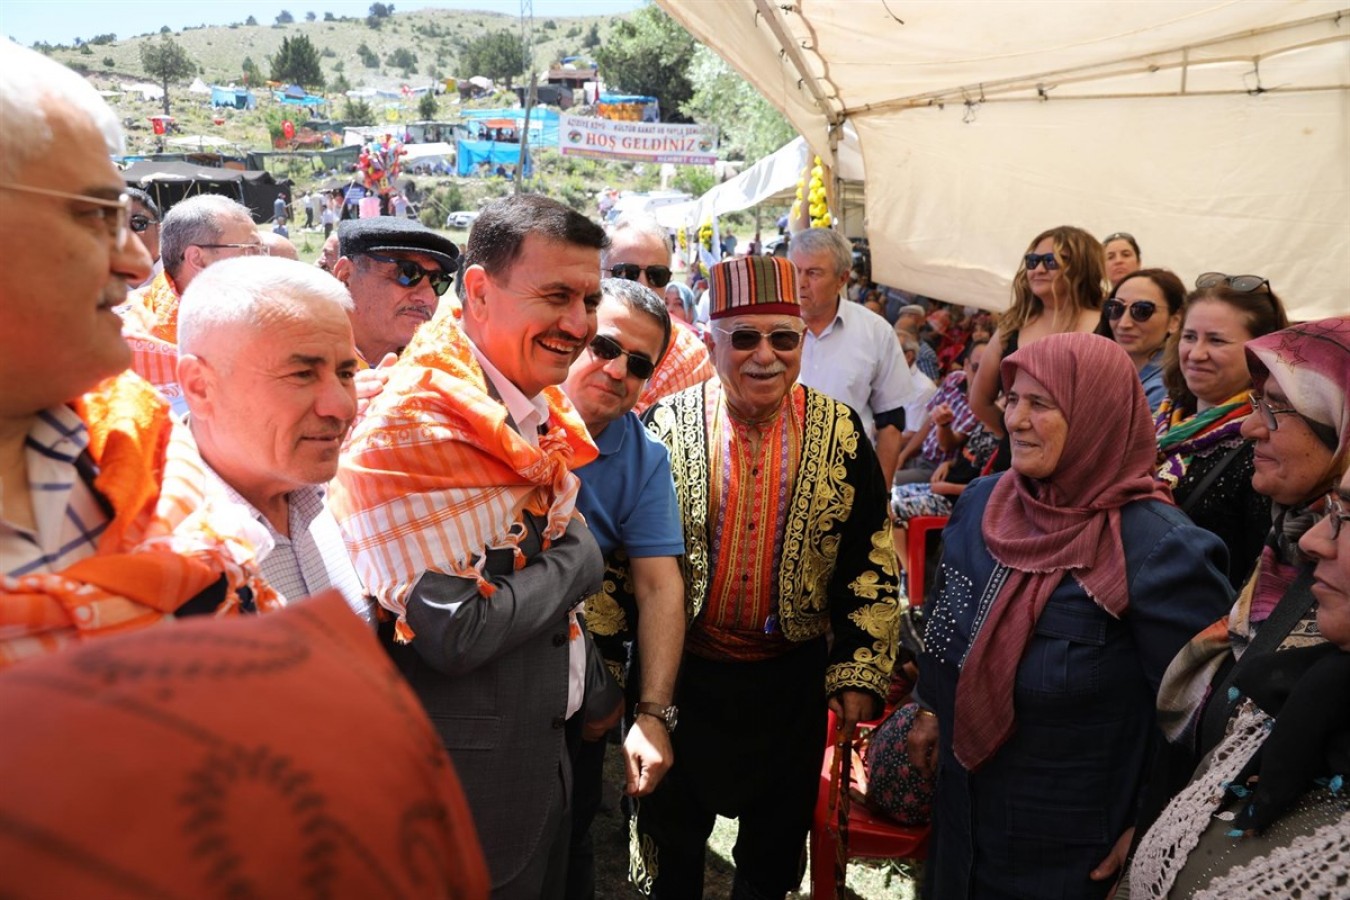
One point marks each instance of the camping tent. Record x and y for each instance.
(236, 97)
(170, 181)
(1217, 133)
(198, 87)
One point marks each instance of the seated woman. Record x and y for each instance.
(1263, 815)
(1065, 587)
(1122, 256)
(1142, 313)
(1201, 454)
(1058, 289)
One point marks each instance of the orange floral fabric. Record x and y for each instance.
(172, 534)
(685, 364)
(433, 475)
(153, 310)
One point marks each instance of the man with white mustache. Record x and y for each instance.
(787, 538)
(396, 269)
(267, 367)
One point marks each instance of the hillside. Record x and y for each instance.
(433, 36)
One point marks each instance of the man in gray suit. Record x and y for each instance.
(456, 497)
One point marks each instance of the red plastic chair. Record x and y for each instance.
(916, 552)
(842, 830)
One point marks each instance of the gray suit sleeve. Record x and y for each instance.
(456, 629)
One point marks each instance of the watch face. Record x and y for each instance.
(672, 718)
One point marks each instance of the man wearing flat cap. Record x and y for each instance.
(786, 538)
(396, 270)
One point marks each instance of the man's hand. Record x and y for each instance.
(921, 746)
(647, 755)
(943, 415)
(1113, 865)
(370, 382)
(853, 707)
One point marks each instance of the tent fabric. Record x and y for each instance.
(471, 155)
(1217, 133)
(171, 181)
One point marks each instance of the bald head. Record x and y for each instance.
(278, 245)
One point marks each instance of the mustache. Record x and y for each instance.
(752, 368)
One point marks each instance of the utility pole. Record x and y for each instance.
(526, 42)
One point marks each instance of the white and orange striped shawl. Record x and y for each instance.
(433, 475)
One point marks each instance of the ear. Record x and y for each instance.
(342, 269)
(197, 382)
(475, 292)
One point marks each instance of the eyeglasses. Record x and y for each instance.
(114, 213)
(1035, 259)
(139, 223)
(639, 366)
(1336, 513)
(257, 248)
(1243, 284)
(410, 273)
(657, 276)
(781, 339)
(1140, 310)
(1268, 412)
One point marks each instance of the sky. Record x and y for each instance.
(62, 21)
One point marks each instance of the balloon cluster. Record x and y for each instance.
(816, 197)
(683, 236)
(380, 163)
(705, 235)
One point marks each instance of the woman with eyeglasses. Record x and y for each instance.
(1143, 311)
(1122, 256)
(1202, 455)
(1265, 691)
(1058, 288)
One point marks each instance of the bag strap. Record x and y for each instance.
(1293, 606)
(1210, 477)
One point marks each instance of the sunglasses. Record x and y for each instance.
(1336, 514)
(1243, 284)
(139, 223)
(1140, 310)
(1035, 259)
(410, 273)
(781, 339)
(114, 213)
(657, 276)
(639, 366)
(1118, 236)
(1268, 412)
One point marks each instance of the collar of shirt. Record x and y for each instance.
(610, 441)
(303, 505)
(837, 320)
(529, 413)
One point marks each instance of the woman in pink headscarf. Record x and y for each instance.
(1066, 586)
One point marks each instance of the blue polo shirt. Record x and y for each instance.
(627, 494)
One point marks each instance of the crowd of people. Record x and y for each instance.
(327, 579)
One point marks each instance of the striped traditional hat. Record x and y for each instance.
(751, 285)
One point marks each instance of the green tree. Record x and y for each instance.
(250, 21)
(749, 126)
(357, 112)
(311, 16)
(285, 18)
(428, 108)
(592, 39)
(369, 58)
(297, 62)
(165, 60)
(340, 85)
(402, 58)
(251, 75)
(649, 54)
(499, 55)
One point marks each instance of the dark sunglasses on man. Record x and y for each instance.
(410, 273)
(1243, 284)
(639, 366)
(657, 276)
(783, 340)
(1035, 259)
(1139, 310)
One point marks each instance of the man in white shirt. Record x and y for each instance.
(267, 366)
(850, 352)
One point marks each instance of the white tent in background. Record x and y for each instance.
(147, 91)
(199, 87)
(1218, 133)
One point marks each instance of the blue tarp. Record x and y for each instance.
(541, 135)
(239, 98)
(298, 101)
(471, 155)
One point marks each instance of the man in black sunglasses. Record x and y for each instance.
(639, 251)
(396, 270)
(628, 499)
(787, 538)
(144, 224)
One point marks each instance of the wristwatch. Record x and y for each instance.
(669, 715)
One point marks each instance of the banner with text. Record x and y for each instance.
(685, 145)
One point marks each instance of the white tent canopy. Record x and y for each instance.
(1217, 133)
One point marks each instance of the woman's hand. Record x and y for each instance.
(940, 473)
(922, 743)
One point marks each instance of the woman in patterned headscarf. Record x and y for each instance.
(1056, 612)
(1268, 687)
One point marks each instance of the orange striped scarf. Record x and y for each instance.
(154, 360)
(685, 364)
(153, 310)
(172, 535)
(433, 475)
